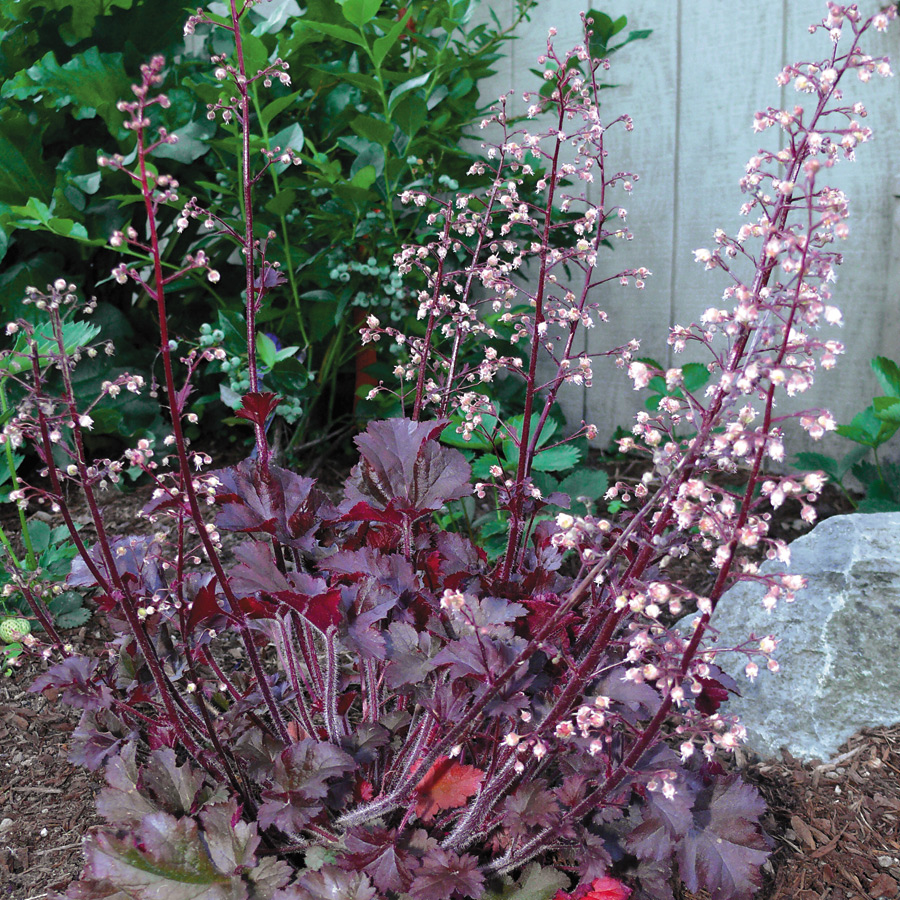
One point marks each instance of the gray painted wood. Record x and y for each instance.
(692, 89)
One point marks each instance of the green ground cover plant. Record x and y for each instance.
(869, 430)
(356, 703)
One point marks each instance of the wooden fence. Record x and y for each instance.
(692, 88)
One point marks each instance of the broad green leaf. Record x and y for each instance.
(283, 202)
(888, 409)
(373, 129)
(696, 375)
(591, 483)
(90, 82)
(289, 138)
(453, 438)
(557, 459)
(271, 110)
(535, 883)
(812, 461)
(22, 171)
(36, 216)
(336, 31)
(359, 12)
(256, 57)
(285, 353)
(382, 45)
(407, 86)
(265, 347)
(75, 335)
(550, 427)
(888, 374)
(193, 142)
(864, 429)
(410, 114)
(364, 178)
(357, 79)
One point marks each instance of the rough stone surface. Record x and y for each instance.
(839, 647)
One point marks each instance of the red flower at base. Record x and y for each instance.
(605, 888)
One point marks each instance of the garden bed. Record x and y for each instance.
(836, 824)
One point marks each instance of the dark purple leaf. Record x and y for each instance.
(137, 560)
(724, 850)
(204, 606)
(270, 277)
(378, 853)
(407, 650)
(300, 783)
(711, 697)
(530, 806)
(72, 676)
(404, 468)
(91, 747)
(273, 501)
(444, 875)
(329, 883)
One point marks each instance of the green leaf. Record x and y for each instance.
(265, 347)
(410, 114)
(590, 483)
(271, 110)
(22, 172)
(696, 375)
(407, 86)
(285, 353)
(75, 335)
(359, 12)
(867, 429)
(888, 374)
(557, 459)
(36, 216)
(336, 31)
(256, 57)
(192, 143)
(887, 409)
(535, 883)
(282, 203)
(364, 178)
(373, 129)
(382, 45)
(809, 462)
(452, 438)
(91, 83)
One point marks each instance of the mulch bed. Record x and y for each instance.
(836, 824)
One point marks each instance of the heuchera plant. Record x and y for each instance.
(355, 704)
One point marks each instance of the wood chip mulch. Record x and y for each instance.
(836, 825)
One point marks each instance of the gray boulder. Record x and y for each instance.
(839, 647)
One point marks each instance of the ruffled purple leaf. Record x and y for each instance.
(302, 777)
(404, 469)
(446, 876)
(724, 850)
(271, 501)
(73, 678)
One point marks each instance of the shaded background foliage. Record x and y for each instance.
(374, 104)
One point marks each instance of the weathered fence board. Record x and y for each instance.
(692, 89)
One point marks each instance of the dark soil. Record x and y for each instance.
(836, 824)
